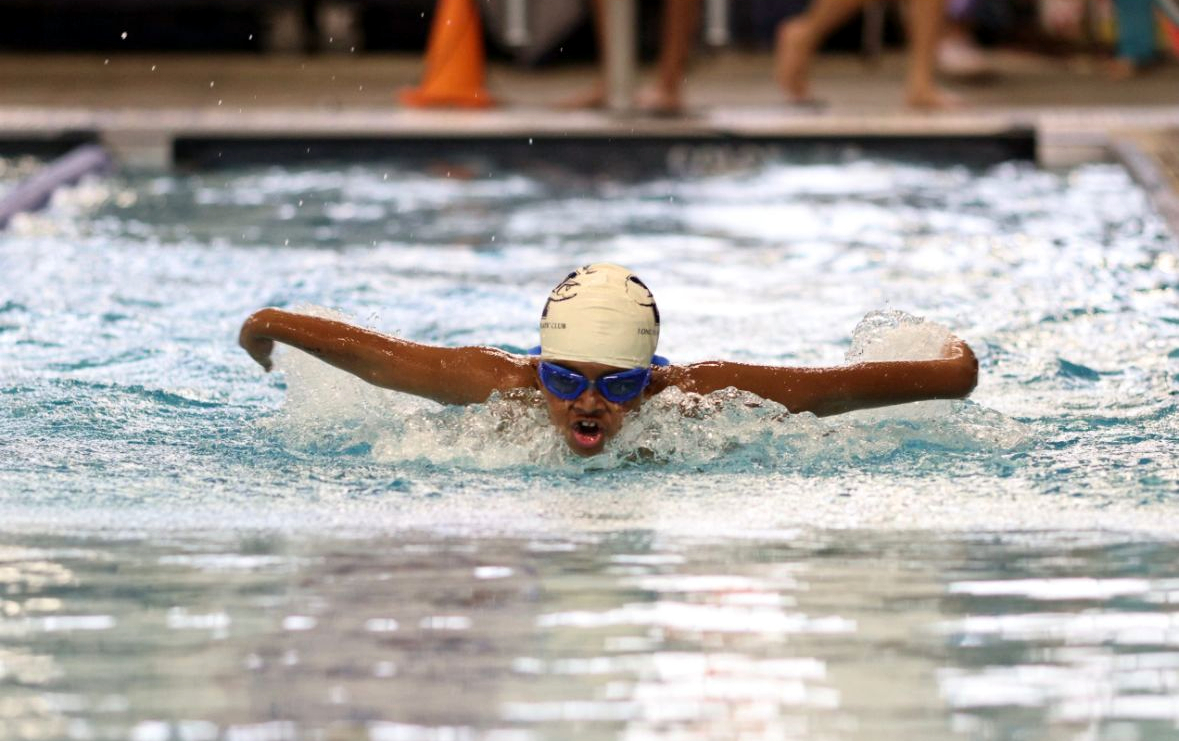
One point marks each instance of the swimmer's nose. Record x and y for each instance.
(590, 402)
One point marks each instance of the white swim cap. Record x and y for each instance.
(600, 313)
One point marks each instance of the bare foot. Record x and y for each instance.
(591, 99)
(793, 52)
(960, 58)
(658, 100)
(932, 99)
(1120, 69)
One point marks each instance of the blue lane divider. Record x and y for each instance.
(35, 191)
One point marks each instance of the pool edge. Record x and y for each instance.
(1152, 159)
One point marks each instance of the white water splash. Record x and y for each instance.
(897, 335)
(328, 410)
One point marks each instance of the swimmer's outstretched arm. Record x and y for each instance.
(839, 389)
(450, 375)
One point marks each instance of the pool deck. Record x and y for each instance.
(140, 104)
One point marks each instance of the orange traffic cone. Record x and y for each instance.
(454, 60)
(1172, 32)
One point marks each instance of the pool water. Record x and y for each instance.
(193, 549)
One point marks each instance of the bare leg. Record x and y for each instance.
(923, 22)
(677, 39)
(595, 96)
(800, 37)
(681, 18)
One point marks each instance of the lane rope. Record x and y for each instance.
(34, 192)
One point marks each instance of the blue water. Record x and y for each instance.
(297, 555)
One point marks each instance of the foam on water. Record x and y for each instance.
(331, 412)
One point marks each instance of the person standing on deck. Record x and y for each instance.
(799, 38)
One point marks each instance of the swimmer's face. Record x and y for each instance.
(588, 422)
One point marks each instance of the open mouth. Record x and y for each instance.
(587, 433)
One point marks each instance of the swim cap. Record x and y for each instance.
(600, 313)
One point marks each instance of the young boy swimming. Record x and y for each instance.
(596, 362)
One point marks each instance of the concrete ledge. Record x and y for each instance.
(145, 137)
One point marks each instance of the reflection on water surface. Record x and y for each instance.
(629, 634)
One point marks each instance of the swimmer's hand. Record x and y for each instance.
(965, 365)
(253, 340)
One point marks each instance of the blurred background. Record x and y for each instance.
(559, 31)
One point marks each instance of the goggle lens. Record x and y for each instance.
(561, 382)
(622, 387)
(616, 387)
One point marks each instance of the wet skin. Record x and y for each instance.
(588, 422)
(470, 375)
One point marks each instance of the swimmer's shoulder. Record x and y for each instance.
(511, 370)
(684, 377)
(712, 375)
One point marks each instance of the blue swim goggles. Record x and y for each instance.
(618, 387)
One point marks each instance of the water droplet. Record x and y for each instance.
(123, 35)
(153, 68)
(251, 37)
(530, 141)
(211, 83)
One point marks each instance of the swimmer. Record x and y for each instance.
(596, 362)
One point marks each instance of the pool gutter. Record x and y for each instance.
(1144, 138)
(148, 138)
